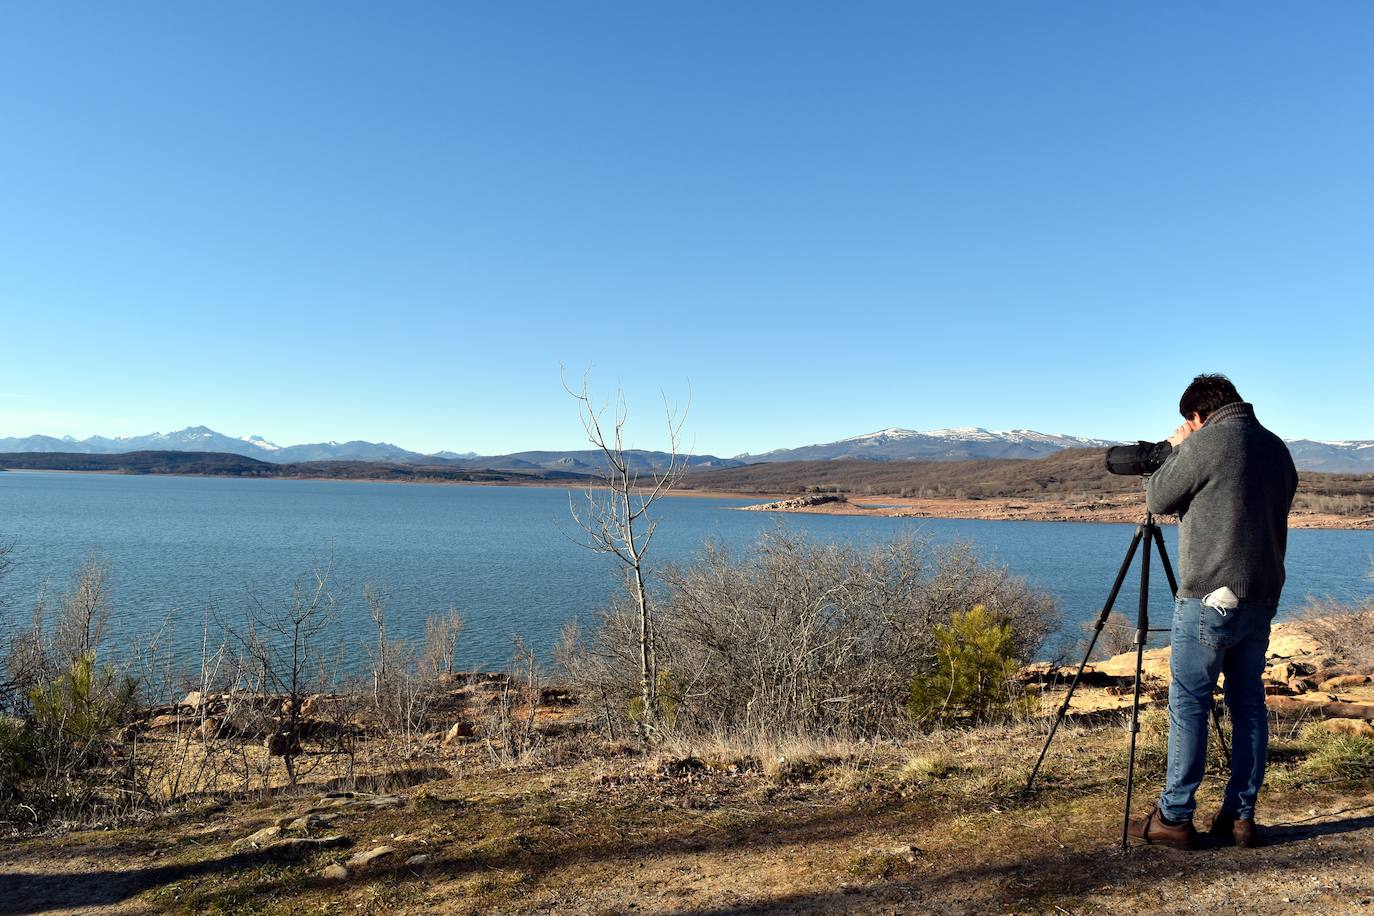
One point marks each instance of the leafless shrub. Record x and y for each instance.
(441, 645)
(1344, 631)
(83, 612)
(282, 655)
(802, 638)
(508, 727)
(1118, 635)
(52, 643)
(599, 675)
(1335, 504)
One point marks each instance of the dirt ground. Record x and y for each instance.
(935, 823)
(941, 826)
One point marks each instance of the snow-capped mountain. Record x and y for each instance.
(204, 439)
(1349, 457)
(958, 444)
(893, 444)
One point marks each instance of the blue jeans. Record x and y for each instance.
(1207, 643)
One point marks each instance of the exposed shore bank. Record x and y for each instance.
(1113, 509)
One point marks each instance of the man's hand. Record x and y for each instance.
(1183, 432)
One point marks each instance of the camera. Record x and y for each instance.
(1141, 459)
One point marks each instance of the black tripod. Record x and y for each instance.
(1147, 533)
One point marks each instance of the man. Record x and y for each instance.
(1231, 482)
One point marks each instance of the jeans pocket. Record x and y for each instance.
(1215, 629)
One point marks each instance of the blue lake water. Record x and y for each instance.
(182, 548)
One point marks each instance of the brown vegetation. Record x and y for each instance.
(1072, 474)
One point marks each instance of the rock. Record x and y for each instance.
(1285, 671)
(335, 872)
(800, 502)
(420, 859)
(461, 729)
(209, 729)
(364, 859)
(1286, 644)
(1302, 684)
(282, 743)
(167, 721)
(355, 800)
(1343, 680)
(194, 700)
(310, 822)
(1357, 728)
(557, 696)
(906, 852)
(303, 844)
(262, 837)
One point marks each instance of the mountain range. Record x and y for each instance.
(894, 444)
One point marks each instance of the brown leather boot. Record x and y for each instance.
(1243, 831)
(1152, 831)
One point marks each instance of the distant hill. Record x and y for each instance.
(1336, 457)
(894, 444)
(204, 439)
(961, 444)
(590, 462)
(972, 442)
(219, 464)
(1072, 472)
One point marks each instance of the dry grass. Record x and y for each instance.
(748, 823)
(1344, 632)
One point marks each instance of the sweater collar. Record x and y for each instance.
(1238, 410)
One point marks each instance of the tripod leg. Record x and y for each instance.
(1101, 620)
(1142, 633)
(1221, 736)
(1158, 536)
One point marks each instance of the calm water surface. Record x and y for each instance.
(182, 548)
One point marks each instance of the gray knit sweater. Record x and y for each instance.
(1231, 483)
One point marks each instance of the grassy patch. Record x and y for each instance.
(1333, 756)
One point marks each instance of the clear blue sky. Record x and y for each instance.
(394, 221)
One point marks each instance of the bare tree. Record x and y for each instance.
(284, 648)
(616, 520)
(376, 596)
(441, 645)
(83, 612)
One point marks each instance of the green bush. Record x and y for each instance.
(63, 759)
(972, 680)
(83, 705)
(16, 757)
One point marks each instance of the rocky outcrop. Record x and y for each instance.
(1301, 680)
(801, 502)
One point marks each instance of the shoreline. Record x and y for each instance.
(1117, 510)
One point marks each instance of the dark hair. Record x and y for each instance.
(1206, 395)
